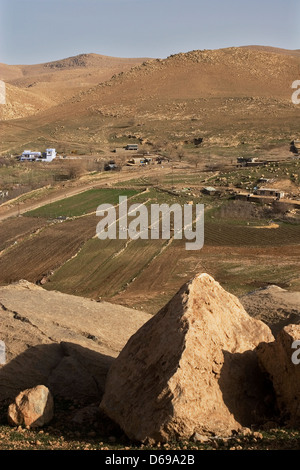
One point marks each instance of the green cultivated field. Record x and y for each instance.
(81, 204)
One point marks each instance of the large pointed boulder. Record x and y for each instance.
(191, 368)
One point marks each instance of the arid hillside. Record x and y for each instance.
(51, 83)
(226, 96)
(23, 102)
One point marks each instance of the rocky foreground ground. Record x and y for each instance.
(200, 374)
(58, 438)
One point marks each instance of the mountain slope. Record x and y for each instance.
(226, 96)
(276, 50)
(23, 102)
(59, 80)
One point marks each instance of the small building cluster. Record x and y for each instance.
(269, 192)
(250, 162)
(147, 159)
(137, 160)
(131, 147)
(261, 195)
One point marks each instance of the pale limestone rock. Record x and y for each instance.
(190, 369)
(33, 407)
(63, 341)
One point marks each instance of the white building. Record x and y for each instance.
(30, 156)
(49, 155)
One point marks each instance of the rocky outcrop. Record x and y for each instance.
(33, 407)
(62, 341)
(281, 360)
(192, 368)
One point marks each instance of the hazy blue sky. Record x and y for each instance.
(34, 31)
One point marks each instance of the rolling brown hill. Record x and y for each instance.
(224, 96)
(57, 81)
(276, 50)
(23, 102)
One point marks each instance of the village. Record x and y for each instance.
(260, 193)
(262, 188)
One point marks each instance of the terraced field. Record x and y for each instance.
(145, 274)
(18, 228)
(224, 233)
(48, 237)
(58, 243)
(103, 268)
(239, 269)
(52, 246)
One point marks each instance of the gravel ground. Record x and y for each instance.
(63, 434)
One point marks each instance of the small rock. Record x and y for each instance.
(200, 438)
(32, 408)
(246, 432)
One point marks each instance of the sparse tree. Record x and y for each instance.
(76, 170)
